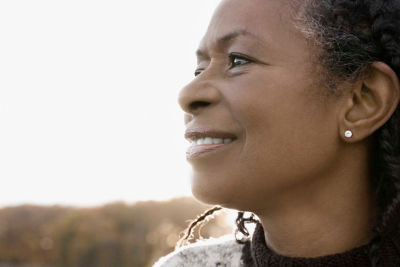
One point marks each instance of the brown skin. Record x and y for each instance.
(290, 163)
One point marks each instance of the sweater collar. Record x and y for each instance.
(262, 256)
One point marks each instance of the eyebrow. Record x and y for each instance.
(228, 38)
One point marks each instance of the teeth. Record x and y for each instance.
(208, 141)
(227, 140)
(211, 141)
(217, 141)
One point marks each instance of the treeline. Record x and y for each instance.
(114, 235)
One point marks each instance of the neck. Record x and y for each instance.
(327, 216)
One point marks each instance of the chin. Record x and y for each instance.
(210, 195)
(206, 195)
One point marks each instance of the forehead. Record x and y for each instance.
(269, 20)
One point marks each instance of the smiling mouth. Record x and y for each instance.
(204, 142)
(211, 141)
(195, 151)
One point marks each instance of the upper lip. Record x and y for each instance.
(195, 133)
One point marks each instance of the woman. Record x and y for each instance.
(293, 116)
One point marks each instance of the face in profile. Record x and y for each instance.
(254, 113)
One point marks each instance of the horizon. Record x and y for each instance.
(101, 205)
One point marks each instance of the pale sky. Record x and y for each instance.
(88, 99)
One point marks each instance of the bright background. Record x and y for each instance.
(88, 99)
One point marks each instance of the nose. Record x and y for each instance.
(198, 95)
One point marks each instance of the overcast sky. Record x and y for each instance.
(88, 99)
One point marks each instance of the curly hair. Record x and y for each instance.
(352, 34)
(188, 235)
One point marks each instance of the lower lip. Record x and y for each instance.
(202, 150)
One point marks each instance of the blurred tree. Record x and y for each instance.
(114, 235)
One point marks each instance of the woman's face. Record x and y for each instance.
(257, 86)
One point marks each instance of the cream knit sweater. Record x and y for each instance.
(215, 252)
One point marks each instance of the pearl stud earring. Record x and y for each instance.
(348, 134)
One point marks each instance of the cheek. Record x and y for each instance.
(290, 138)
(287, 138)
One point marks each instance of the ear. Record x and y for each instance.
(370, 103)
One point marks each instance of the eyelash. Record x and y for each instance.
(232, 58)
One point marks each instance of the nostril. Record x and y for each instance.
(198, 104)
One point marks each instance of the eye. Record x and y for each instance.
(238, 60)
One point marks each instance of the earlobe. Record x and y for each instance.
(370, 103)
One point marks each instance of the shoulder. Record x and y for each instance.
(223, 251)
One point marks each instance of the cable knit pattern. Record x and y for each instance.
(219, 252)
(226, 252)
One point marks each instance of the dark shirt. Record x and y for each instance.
(257, 253)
